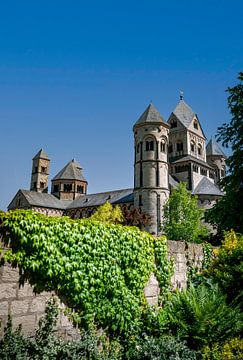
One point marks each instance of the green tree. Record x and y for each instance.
(228, 212)
(108, 214)
(182, 216)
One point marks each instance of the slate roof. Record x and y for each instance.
(173, 183)
(44, 200)
(191, 158)
(71, 171)
(207, 187)
(184, 113)
(114, 197)
(213, 148)
(41, 155)
(150, 115)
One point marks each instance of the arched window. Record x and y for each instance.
(163, 146)
(192, 146)
(149, 145)
(179, 146)
(195, 124)
(199, 149)
(67, 187)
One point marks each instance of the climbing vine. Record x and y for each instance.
(99, 270)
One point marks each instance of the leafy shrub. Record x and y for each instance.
(182, 216)
(227, 267)
(164, 348)
(231, 349)
(46, 346)
(99, 270)
(108, 214)
(200, 316)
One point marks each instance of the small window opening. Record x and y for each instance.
(67, 187)
(43, 169)
(149, 146)
(162, 146)
(173, 124)
(80, 189)
(192, 147)
(140, 203)
(195, 124)
(56, 188)
(42, 185)
(179, 146)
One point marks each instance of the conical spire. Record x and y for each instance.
(150, 115)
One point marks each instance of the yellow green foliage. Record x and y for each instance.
(227, 267)
(108, 214)
(231, 349)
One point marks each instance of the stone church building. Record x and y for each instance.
(165, 153)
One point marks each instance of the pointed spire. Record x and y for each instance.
(71, 171)
(41, 155)
(213, 148)
(150, 115)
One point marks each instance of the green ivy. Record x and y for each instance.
(99, 270)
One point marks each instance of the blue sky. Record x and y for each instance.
(76, 75)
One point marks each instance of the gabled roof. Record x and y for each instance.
(207, 187)
(71, 171)
(213, 148)
(114, 197)
(150, 115)
(45, 200)
(41, 155)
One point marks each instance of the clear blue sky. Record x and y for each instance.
(76, 75)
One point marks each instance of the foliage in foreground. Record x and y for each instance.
(200, 316)
(99, 270)
(182, 216)
(227, 267)
(228, 212)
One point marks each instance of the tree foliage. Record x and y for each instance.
(182, 216)
(135, 217)
(100, 270)
(228, 212)
(227, 268)
(108, 214)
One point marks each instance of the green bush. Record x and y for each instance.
(182, 217)
(231, 349)
(163, 348)
(200, 316)
(227, 267)
(44, 345)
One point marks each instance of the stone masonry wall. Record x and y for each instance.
(26, 308)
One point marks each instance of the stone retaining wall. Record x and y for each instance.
(26, 308)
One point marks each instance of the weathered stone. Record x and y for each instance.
(25, 291)
(28, 323)
(19, 307)
(9, 274)
(7, 290)
(38, 304)
(4, 308)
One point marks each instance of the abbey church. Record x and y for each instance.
(165, 153)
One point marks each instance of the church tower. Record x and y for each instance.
(216, 158)
(151, 173)
(40, 172)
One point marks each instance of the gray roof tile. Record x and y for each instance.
(41, 155)
(191, 158)
(184, 113)
(114, 197)
(44, 200)
(71, 171)
(213, 148)
(152, 115)
(207, 187)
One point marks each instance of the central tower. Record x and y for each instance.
(151, 172)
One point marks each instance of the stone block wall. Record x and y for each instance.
(26, 308)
